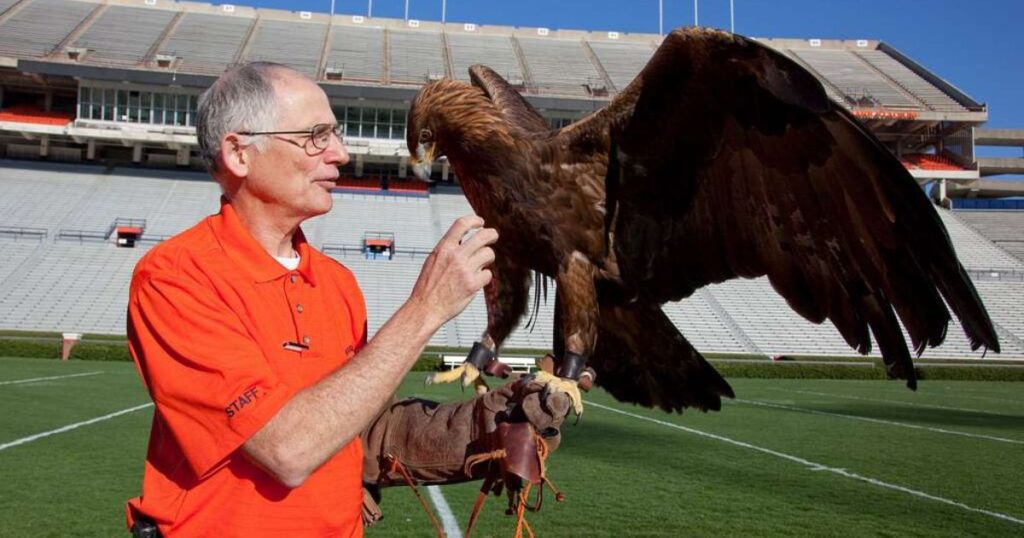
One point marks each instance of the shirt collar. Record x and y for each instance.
(243, 249)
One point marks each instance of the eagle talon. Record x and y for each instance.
(571, 389)
(465, 372)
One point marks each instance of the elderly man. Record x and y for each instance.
(253, 344)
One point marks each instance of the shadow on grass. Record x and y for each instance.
(903, 413)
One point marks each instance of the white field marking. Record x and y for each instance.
(451, 527)
(880, 400)
(881, 421)
(34, 379)
(70, 427)
(816, 466)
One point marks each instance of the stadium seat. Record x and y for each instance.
(30, 114)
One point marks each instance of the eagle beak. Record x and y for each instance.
(423, 161)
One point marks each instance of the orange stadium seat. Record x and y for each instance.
(358, 184)
(30, 114)
(407, 185)
(925, 161)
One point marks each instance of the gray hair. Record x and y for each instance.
(242, 99)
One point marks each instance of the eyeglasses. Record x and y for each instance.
(319, 134)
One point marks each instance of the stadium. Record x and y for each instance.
(100, 164)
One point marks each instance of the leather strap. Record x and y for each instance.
(572, 366)
(479, 356)
(394, 465)
(481, 497)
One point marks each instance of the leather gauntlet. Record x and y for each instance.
(496, 436)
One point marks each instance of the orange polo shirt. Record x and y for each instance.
(223, 336)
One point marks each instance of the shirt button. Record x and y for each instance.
(293, 278)
(306, 340)
(298, 308)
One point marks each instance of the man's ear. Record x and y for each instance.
(233, 154)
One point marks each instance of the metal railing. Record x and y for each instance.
(82, 236)
(18, 232)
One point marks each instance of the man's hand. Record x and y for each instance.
(455, 271)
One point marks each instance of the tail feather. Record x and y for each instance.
(642, 358)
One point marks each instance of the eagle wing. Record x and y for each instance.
(728, 160)
(517, 112)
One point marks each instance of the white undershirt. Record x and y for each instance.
(290, 264)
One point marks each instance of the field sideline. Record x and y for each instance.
(787, 458)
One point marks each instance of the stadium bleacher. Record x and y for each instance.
(30, 114)
(622, 61)
(81, 286)
(415, 56)
(974, 250)
(206, 43)
(926, 161)
(1004, 228)
(910, 81)
(58, 217)
(559, 66)
(38, 28)
(136, 29)
(495, 51)
(854, 78)
(204, 39)
(357, 53)
(287, 42)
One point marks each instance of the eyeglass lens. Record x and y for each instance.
(322, 134)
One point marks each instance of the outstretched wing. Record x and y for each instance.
(728, 160)
(517, 112)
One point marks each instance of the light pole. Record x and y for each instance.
(695, 23)
(406, 9)
(732, 17)
(444, 9)
(369, 9)
(661, 17)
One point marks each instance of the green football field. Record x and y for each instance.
(787, 458)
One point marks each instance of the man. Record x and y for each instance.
(253, 344)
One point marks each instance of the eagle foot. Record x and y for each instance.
(466, 372)
(553, 383)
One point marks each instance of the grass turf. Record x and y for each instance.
(956, 441)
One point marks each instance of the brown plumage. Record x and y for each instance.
(722, 159)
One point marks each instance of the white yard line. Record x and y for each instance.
(881, 421)
(815, 466)
(70, 427)
(34, 379)
(451, 527)
(881, 400)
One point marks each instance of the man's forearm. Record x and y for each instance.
(321, 419)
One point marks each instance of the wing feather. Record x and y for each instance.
(516, 111)
(730, 161)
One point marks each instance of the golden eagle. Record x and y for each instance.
(722, 159)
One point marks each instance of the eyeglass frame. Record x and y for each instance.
(310, 133)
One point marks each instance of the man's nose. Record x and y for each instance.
(336, 153)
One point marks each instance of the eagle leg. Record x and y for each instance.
(480, 359)
(571, 388)
(575, 330)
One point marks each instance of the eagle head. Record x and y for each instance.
(448, 115)
(424, 124)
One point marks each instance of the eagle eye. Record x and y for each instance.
(426, 135)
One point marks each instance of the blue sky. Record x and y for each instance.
(978, 46)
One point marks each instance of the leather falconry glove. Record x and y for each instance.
(501, 437)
